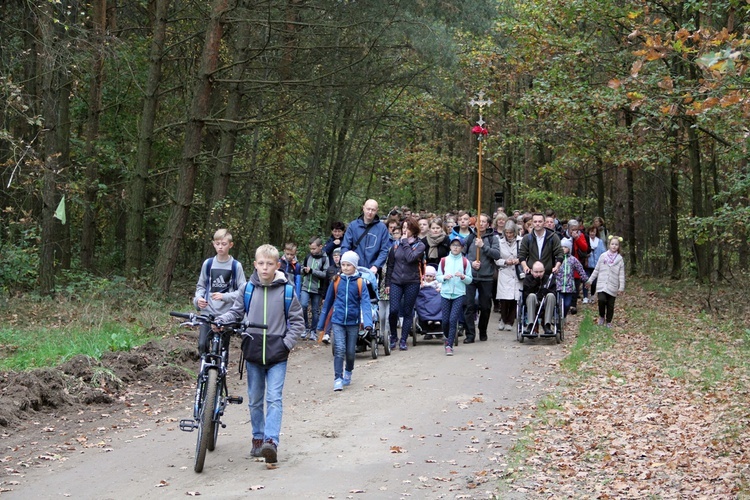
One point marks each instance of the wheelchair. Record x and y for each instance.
(537, 331)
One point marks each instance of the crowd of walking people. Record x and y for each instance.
(476, 263)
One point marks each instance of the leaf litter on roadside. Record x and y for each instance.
(631, 429)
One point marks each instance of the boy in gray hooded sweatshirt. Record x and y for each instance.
(270, 301)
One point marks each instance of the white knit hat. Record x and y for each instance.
(350, 257)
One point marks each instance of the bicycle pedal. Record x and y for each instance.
(188, 425)
(235, 400)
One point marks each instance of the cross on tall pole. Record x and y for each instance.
(480, 131)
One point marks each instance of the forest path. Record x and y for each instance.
(414, 424)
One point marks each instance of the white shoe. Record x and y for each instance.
(509, 327)
(326, 339)
(586, 300)
(501, 326)
(304, 334)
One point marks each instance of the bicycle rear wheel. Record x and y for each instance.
(206, 422)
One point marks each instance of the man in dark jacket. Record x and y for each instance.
(482, 252)
(541, 244)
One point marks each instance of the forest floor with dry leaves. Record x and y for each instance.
(656, 406)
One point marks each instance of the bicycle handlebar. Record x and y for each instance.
(209, 319)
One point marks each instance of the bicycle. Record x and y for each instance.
(211, 392)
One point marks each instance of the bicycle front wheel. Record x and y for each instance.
(206, 422)
(220, 399)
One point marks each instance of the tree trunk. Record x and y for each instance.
(229, 127)
(49, 103)
(88, 230)
(674, 214)
(175, 227)
(62, 139)
(279, 196)
(694, 162)
(136, 189)
(599, 187)
(337, 165)
(632, 240)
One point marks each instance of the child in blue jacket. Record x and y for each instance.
(348, 305)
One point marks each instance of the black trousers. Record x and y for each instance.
(482, 303)
(606, 306)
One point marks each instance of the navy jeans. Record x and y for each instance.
(313, 301)
(452, 311)
(403, 298)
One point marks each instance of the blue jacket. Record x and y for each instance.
(373, 248)
(330, 246)
(349, 308)
(292, 272)
(595, 253)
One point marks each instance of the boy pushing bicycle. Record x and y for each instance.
(268, 299)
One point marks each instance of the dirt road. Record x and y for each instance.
(414, 424)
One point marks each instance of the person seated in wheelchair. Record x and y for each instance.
(538, 288)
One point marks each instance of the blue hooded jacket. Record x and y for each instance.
(374, 246)
(349, 308)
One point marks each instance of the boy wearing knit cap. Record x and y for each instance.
(347, 306)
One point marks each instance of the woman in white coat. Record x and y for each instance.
(508, 284)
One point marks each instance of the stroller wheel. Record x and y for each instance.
(374, 347)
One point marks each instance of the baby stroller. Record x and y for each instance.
(428, 315)
(370, 340)
(536, 330)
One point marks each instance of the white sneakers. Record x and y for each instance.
(501, 326)
(585, 300)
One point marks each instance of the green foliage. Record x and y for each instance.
(19, 258)
(84, 284)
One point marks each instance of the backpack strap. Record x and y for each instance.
(288, 296)
(464, 260)
(209, 263)
(233, 279)
(249, 288)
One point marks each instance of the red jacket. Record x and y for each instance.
(580, 246)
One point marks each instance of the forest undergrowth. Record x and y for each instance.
(654, 407)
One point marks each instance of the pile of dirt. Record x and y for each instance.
(83, 380)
